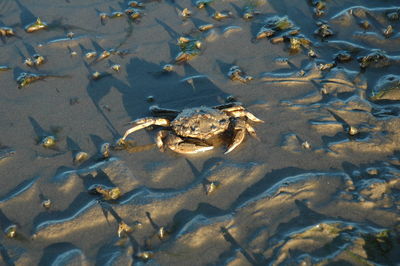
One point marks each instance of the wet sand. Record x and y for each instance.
(321, 186)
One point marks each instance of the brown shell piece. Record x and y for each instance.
(35, 26)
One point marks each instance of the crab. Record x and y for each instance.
(194, 130)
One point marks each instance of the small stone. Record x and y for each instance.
(46, 203)
(150, 99)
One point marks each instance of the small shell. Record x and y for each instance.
(186, 13)
(29, 62)
(103, 55)
(135, 4)
(206, 27)
(105, 150)
(48, 141)
(211, 187)
(116, 67)
(306, 145)
(11, 231)
(38, 59)
(388, 31)
(145, 255)
(168, 68)
(103, 16)
(352, 131)
(70, 34)
(162, 234)
(46, 203)
(117, 14)
(90, 54)
(96, 75)
(80, 157)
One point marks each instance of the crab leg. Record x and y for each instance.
(237, 139)
(241, 127)
(161, 135)
(251, 131)
(242, 113)
(179, 145)
(157, 111)
(235, 105)
(146, 122)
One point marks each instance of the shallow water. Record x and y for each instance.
(321, 186)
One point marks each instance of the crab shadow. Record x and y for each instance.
(168, 89)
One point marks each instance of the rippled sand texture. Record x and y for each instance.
(320, 186)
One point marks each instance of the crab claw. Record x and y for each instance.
(237, 139)
(177, 144)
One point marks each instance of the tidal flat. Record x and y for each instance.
(318, 183)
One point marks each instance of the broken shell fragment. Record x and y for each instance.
(145, 255)
(135, 4)
(133, 13)
(116, 67)
(27, 78)
(103, 55)
(162, 233)
(203, 3)
(6, 31)
(109, 193)
(221, 15)
(123, 228)
(38, 59)
(29, 62)
(388, 31)
(35, 26)
(211, 187)
(90, 54)
(235, 73)
(186, 13)
(323, 30)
